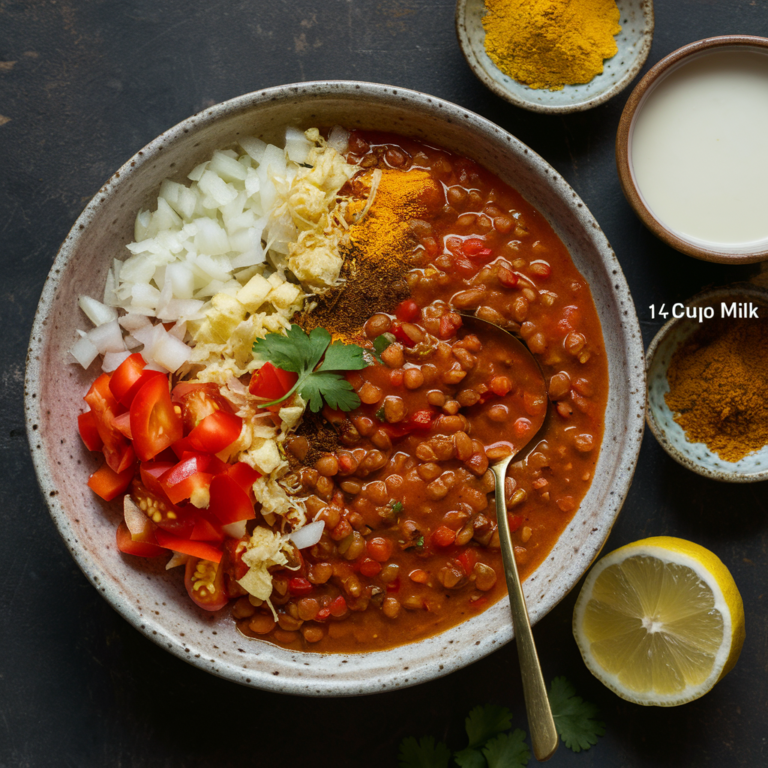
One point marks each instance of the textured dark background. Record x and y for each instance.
(84, 85)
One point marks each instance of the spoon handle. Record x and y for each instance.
(544, 737)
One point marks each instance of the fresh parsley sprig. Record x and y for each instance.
(301, 352)
(492, 745)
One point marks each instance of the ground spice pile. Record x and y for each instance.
(718, 387)
(551, 43)
(376, 250)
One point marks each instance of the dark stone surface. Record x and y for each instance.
(84, 85)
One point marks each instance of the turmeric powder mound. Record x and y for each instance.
(718, 387)
(551, 43)
(376, 249)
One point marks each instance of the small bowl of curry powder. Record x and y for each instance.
(555, 56)
(708, 384)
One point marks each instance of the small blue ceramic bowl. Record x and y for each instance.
(669, 433)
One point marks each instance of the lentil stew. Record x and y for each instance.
(410, 546)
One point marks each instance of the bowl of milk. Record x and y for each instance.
(692, 149)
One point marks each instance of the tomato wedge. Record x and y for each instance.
(155, 425)
(271, 383)
(139, 548)
(207, 528)
(105, 408)
(198, 401)
(89, 431)
(204, 581)
(199, 549)
(129, 378)
(182, 480)
(178, 521)
(108, 484)
(244, 475)
(229, 502)
(215, 432)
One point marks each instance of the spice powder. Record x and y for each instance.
(718, 387)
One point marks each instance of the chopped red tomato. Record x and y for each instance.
(188, 476)
(207, 528)
(89, 432)
(230, 503)
(418, 421)
(507, 277)
(215, 432)
(204, 581)
(129, 378)
(105, 407)
(299, 586)
(443, 536)
(468, 558)
(402, 336)
(369, 567)
(272, 383)
(449, 325)
(122, 424)
(108, 484)
(408, 311)
(200, 549)
(465, 267)
(515, 521)
(198, 401)
(155, 425)
(244, 475)
(139, 548)
(158, 507)
(474, 248)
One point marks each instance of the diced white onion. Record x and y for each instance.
(84, 351)
(112, 360)
(309, 535)
(107, 337)
(132, 322)
(97, 312)
(170, 352)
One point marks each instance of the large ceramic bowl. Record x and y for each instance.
(155, 602)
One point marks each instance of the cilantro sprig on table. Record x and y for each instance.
(301, 352)
(491, 745)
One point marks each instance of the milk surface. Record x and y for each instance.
(699, 148)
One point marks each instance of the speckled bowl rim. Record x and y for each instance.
(701, 299)
(623, 150)
(386, 670)
(580, 106)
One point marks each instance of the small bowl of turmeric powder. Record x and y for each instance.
(555, 55)
(708, 384)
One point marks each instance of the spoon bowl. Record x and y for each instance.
(528, 397)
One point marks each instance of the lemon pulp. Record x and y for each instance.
(659, 621)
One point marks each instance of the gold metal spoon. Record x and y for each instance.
(544, 737)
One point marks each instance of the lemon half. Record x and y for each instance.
(659, 621)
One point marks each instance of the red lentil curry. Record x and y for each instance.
(410, 546)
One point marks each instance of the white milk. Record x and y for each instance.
(699, 149)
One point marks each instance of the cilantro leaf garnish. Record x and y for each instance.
(380, 414)
(396, 506)
(300, 353)
(508, 750)
(424, 753)
(485, 722)
(575, 719)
